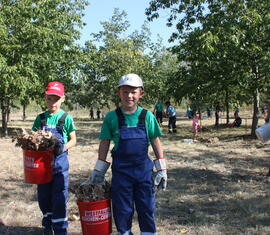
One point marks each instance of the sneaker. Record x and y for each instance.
(47, 231)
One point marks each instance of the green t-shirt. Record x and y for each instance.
(52, 120)
(109, 129)
(159, 107)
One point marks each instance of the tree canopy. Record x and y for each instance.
(37, 44)
(110, 55)
(223, 49)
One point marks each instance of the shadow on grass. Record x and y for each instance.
(12, 192)
(17, 230)
(84, 138)
(203, 198)
(231, 159)
(84, 134)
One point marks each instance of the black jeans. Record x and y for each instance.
(172, 123)
(159, 117)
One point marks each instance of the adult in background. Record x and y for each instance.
(209, 112)
(237, 120)
(171, 114)
(91, 114)
(189, 113)
(158, 111)
(98, 113)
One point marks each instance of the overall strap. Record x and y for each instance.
(142, 117)
(42, 120)
(121, 118)
(61, 121)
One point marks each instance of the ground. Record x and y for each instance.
(216, 185)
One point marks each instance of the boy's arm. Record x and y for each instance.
(103, 149)
(98, 174)
(72, 140)
(157, 147)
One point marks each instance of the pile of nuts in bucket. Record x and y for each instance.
(88, 192)
(36, 140)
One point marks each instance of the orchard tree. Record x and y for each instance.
(37, 45)
(114, 55)
(244, 24)
(164, 67)
(207, 74)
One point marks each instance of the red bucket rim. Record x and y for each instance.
(96, 202)
(31, 150)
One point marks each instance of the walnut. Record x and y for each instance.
(36, 140)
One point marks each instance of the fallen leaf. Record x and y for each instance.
(74, 218)
(183, 230)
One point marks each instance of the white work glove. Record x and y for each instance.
(98, 174)
(161, 177)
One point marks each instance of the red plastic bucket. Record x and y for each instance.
(96, 217)
(38, 166)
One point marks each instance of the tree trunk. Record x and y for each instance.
(8, 114)
(227, 107)
(4, 110)
(24, 112)
(255, 117)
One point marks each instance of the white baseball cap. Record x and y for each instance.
(130, 79)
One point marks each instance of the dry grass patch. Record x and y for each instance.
(216, 186)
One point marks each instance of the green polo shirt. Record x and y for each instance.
(159, 107)
(52, 120)
(109, 129)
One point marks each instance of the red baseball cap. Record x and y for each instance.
(55, 88)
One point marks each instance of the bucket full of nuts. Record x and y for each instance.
(94, 205)
(96, 217)
(38, 155)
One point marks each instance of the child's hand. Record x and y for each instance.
(98, 174)
(97, 177)
(161, 177)
(161, 180)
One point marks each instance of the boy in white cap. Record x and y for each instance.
(132, 129)
(52, 197)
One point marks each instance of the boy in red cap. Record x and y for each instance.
(52, 197)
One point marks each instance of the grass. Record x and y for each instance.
(215, 186)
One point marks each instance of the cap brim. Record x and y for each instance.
(49, 93)
(128, 85)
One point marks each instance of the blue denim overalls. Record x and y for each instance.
(132, 181)
(52, 197)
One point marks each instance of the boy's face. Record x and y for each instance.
(130, 96)
(54, 102)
